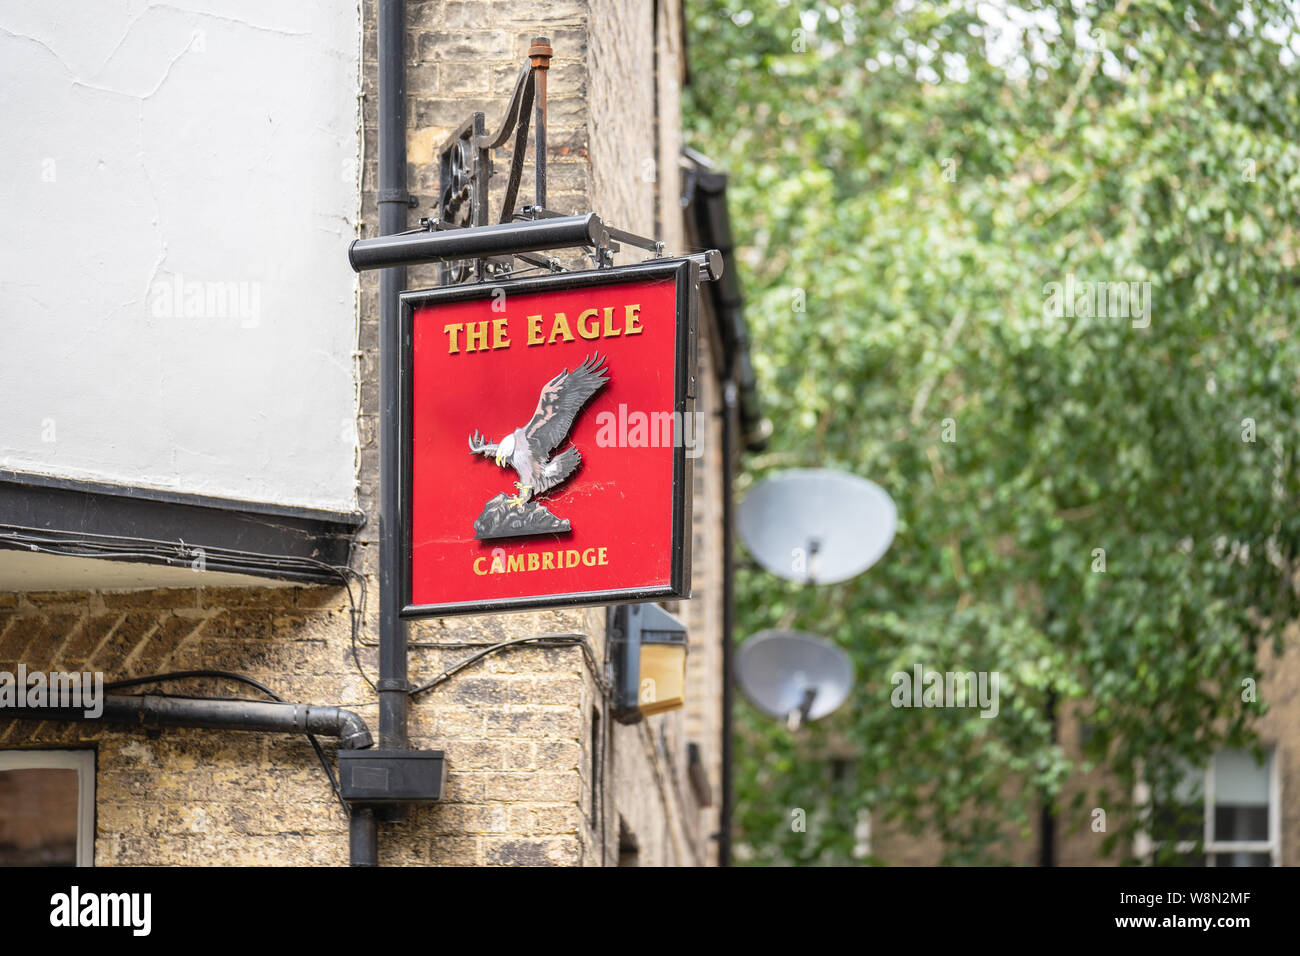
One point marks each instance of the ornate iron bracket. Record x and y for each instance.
(465, 163)
(465, 170)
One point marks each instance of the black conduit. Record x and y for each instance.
(393, 203)
(363, 840)
(148, 710)
(730, 412)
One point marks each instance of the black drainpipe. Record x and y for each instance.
(147, 710)
(730, 408)
(743, 429)
(393, 203)
(363, 838)
(1047, 815)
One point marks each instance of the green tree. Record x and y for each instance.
(917, 177)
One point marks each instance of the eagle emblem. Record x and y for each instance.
(530, 452)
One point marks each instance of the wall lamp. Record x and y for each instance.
(649, 662)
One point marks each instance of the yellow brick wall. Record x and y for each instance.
(187, 796)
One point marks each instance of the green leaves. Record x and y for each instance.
(919, 216)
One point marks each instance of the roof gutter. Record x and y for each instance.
(707, 215)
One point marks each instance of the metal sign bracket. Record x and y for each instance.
(465, 171)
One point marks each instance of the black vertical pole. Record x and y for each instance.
(729, 450)
(393, 203)
(1047, 816)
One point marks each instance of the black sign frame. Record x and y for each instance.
(685, 272)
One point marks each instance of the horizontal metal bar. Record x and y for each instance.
(710, 264)
(632, 239)
(615, 235)
(475, 242)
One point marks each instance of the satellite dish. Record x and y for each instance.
(794, 676)
(817, 526)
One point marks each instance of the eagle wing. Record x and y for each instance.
(562, 399)
(557, 470)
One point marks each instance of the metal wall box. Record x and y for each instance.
(392, 776)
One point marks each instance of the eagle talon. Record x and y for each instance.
(522, 498)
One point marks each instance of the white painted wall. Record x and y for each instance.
(178, 185)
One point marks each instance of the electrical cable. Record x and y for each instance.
(186, 675)
(171, 554)
(536, 640)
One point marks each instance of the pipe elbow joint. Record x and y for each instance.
(353, 732)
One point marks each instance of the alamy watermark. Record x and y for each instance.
(926, 688)
(60, 690)
(1103, 300)
(179, 299)
(133, 911)
(639, 429)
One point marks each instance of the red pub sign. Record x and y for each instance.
(548, 432)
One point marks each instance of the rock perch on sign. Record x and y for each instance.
(501, 519)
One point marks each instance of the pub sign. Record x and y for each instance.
(548, 431)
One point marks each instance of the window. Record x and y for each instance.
(1233, 807)
(1242, 820)
(47, 807)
